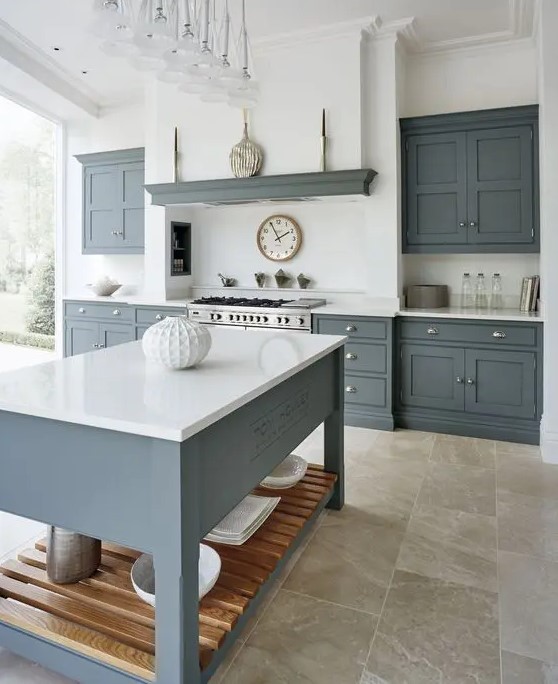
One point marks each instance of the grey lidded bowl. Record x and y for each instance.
(427, 296)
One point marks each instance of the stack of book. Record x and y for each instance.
(529, 293)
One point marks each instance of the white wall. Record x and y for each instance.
(548, 90)
(481, 78)
(118, 129)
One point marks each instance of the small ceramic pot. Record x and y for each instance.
(176, 343)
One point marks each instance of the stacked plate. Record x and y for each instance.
(287, 473)
(143, 574)
(241, 523)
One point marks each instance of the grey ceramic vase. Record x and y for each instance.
(71, 556)
(282, 279)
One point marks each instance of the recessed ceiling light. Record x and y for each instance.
(56, 49)
(85, 72)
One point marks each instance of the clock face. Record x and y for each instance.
(279, 238)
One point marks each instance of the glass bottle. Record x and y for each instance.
(466, 291)
(480, 292)
(497, 299)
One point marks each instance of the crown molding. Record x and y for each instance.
(352, 28)
(30, 59)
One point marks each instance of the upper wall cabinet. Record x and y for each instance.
(113, 202)
(470, 182)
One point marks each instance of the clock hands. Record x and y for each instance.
(277, 238)
(282, 236)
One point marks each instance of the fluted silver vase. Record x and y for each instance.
(246, 156)
(71, 556)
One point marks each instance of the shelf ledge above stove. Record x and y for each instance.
(297, 187)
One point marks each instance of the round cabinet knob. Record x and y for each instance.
(81, 309)
(433, 331)
(101, 346)
(472, 224)
(470, 381)
(95, 345)
(114, 232)
(351, 389)
(351, 357)
(462, 224)
(159, 317)
(116, 312)
(351, 328)
(499, 334)
(459, 380)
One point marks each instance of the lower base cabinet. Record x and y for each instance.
(86, 336)
(488, 385)
(368, 367)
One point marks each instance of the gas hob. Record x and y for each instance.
(254, 313)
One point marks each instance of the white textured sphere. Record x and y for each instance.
(176, 342)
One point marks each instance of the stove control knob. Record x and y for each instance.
(218, 317)
(264, 319)
(300, 320)
(256, 319)
(279, 319)
(286, 320)
(244, 317)
(237, 317)
(230, 317)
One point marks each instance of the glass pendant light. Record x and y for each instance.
(153, 34)
(243, 93)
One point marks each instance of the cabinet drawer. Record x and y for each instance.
(368, 357)
(150, 316)
(365, 391)
(496, 332)
(355, 327)
(113, 311)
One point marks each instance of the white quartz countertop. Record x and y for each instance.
(135, 300)
(474, 314)
(117, 389)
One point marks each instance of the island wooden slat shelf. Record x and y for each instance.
(103, 618)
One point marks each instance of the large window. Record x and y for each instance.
(27, 226)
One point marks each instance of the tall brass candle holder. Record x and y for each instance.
(323, 143)
(175, 157)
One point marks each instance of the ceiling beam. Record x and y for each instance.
(20, 52)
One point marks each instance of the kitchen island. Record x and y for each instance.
(150, 460)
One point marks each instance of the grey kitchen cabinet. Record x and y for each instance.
(91, 325)
(113, 202)
(470, 182)
(472, 378)
(111, 334)
(432, 377)
(80, 337)
(368, 367)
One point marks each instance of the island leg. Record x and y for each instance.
(176, 557)
(334, 447)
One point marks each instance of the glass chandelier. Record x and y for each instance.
(186, 42)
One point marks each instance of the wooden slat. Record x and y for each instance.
(310, 486)
(239, 585)
(255, 558)
(293, 499)
(297, 511)
(100, 579)
(80, 639)
(121, 552)
(227, 599)
(126, 605)
(237, 567)
(287, 519)
(275, 527)
(130, 633)
(270, 549)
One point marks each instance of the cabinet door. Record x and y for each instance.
(436, 189)
(101, 221)
(500, 186)
(112, 334)
(80, 337)
(501, 383)
(432, 377)
(131, 206)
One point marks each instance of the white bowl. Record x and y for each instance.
(105, 288)
(143, 574)
(287, 474)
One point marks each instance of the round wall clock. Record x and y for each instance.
(279, 237)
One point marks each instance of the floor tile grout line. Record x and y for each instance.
(498, 565)
(330, 603)
(395, 567)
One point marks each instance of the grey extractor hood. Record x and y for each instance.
(298, 187)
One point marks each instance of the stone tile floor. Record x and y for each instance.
(442, 568)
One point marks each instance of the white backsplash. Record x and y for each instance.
(448, 269)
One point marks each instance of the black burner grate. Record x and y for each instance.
(243, 301)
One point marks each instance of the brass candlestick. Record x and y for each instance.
(175, 156)
(323, 143)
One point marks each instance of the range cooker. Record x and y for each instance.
(255, 313)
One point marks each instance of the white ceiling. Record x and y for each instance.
(29, 29)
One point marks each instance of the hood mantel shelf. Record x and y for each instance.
(287, 187)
